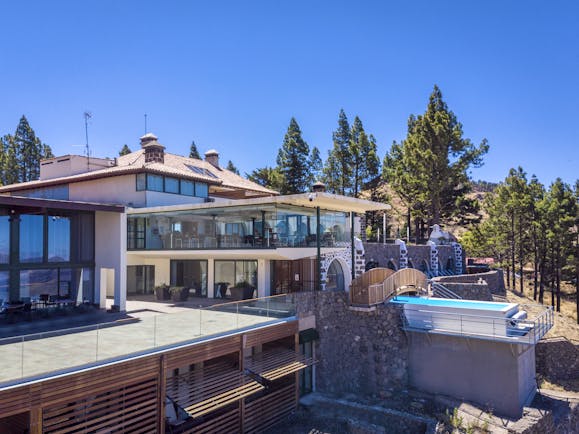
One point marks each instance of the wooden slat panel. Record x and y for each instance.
(272, 333)
(202, 351)
(269, 409)
(226, 423)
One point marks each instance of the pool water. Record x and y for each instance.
(446, 302)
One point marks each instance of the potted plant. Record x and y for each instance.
(179, 293)
(162, 292)
(243, 290)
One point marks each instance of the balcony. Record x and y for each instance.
(44, 355)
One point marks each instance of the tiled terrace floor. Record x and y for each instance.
(148, 325)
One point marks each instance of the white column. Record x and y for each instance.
(210, 278)
(263, 289)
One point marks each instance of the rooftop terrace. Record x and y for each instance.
(41, 355)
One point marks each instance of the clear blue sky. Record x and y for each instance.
(230, 75)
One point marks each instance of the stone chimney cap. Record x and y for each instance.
(148, 138)
(319, 187)
(211, 152)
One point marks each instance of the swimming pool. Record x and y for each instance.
(457, 316)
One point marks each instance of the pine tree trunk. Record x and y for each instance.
(552, 277)
(535, 263)
(558, 277)
(542, 282)
(513, 250)
(508, 277)
(521, 255)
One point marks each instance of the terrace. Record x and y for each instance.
(42, 355)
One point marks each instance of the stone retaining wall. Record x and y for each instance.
(382, 253)
(493, 278)
(361, 352)
(470, 291)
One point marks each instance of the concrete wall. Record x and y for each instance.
(493, 278)
(496, 375)
(110, 252)
(362, 352)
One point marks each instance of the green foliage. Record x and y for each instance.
(125, 150)
(269, 177)
(428, 169)
(193, 152)
(337, 170)
(365, 164)
(231, 167)
(21, 154)
(316, 166)
(292, 161)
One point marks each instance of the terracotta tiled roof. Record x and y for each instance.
(174, 165)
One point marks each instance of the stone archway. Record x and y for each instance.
(335, 276)
(392, 265)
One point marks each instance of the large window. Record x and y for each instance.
(168, 184)
(140, 279)
(191, 274)
(73, 284)
(234, 273)
(4, 286)
(58, 239)
(4, 239)
(31, 238)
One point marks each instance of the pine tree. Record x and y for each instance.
(231, 167)
(292, 161)
(365, 164)
(10, 172)
(316, 166)
(30, 150)
(429, 168)
(269, 177)
(193, 152)
(337, 171)
(124, 150)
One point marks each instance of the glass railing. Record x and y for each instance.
(41, 354)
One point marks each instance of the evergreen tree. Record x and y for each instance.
(269, 177)
(292, 161)
(231, 167)
(124, 150)
(193, 152)
(365, 164)
(337, 171)
(30, 150)
(316, 165)
(10, 172)
(429, 168)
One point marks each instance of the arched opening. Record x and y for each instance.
(424, 267)
(335, 277)
(410, 263)
(392, 265)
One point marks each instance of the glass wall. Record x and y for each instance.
(191, 274)
(168, 184)
(140, 279)
(268, 226)
(47, 254)
(234, 273)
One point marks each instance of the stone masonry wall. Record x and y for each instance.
(470, 291)
(557, 359)
(493, 278)
(382, 253)
(361, 352)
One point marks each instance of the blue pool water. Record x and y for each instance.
(445, 302)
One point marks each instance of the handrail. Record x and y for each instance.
(442, 291)
(367, 291)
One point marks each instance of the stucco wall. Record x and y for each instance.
(358, 351)
(110, 252)
(116, 189)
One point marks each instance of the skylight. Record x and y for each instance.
(201, 171)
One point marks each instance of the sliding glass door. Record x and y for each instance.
(191, 274)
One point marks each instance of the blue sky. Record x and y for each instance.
(230, 75)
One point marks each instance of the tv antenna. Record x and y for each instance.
(145, 123)
(87, 115)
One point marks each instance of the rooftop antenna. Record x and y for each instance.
(145, 123)
(87, 116)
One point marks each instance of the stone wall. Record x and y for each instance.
(362, 352)
(419, 257)
(382, 253)
(470, 291)
(558, 359)
(493, 278)
(444, 254)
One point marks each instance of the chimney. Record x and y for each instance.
(212, 157)
(154, 151)
(319, 187)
